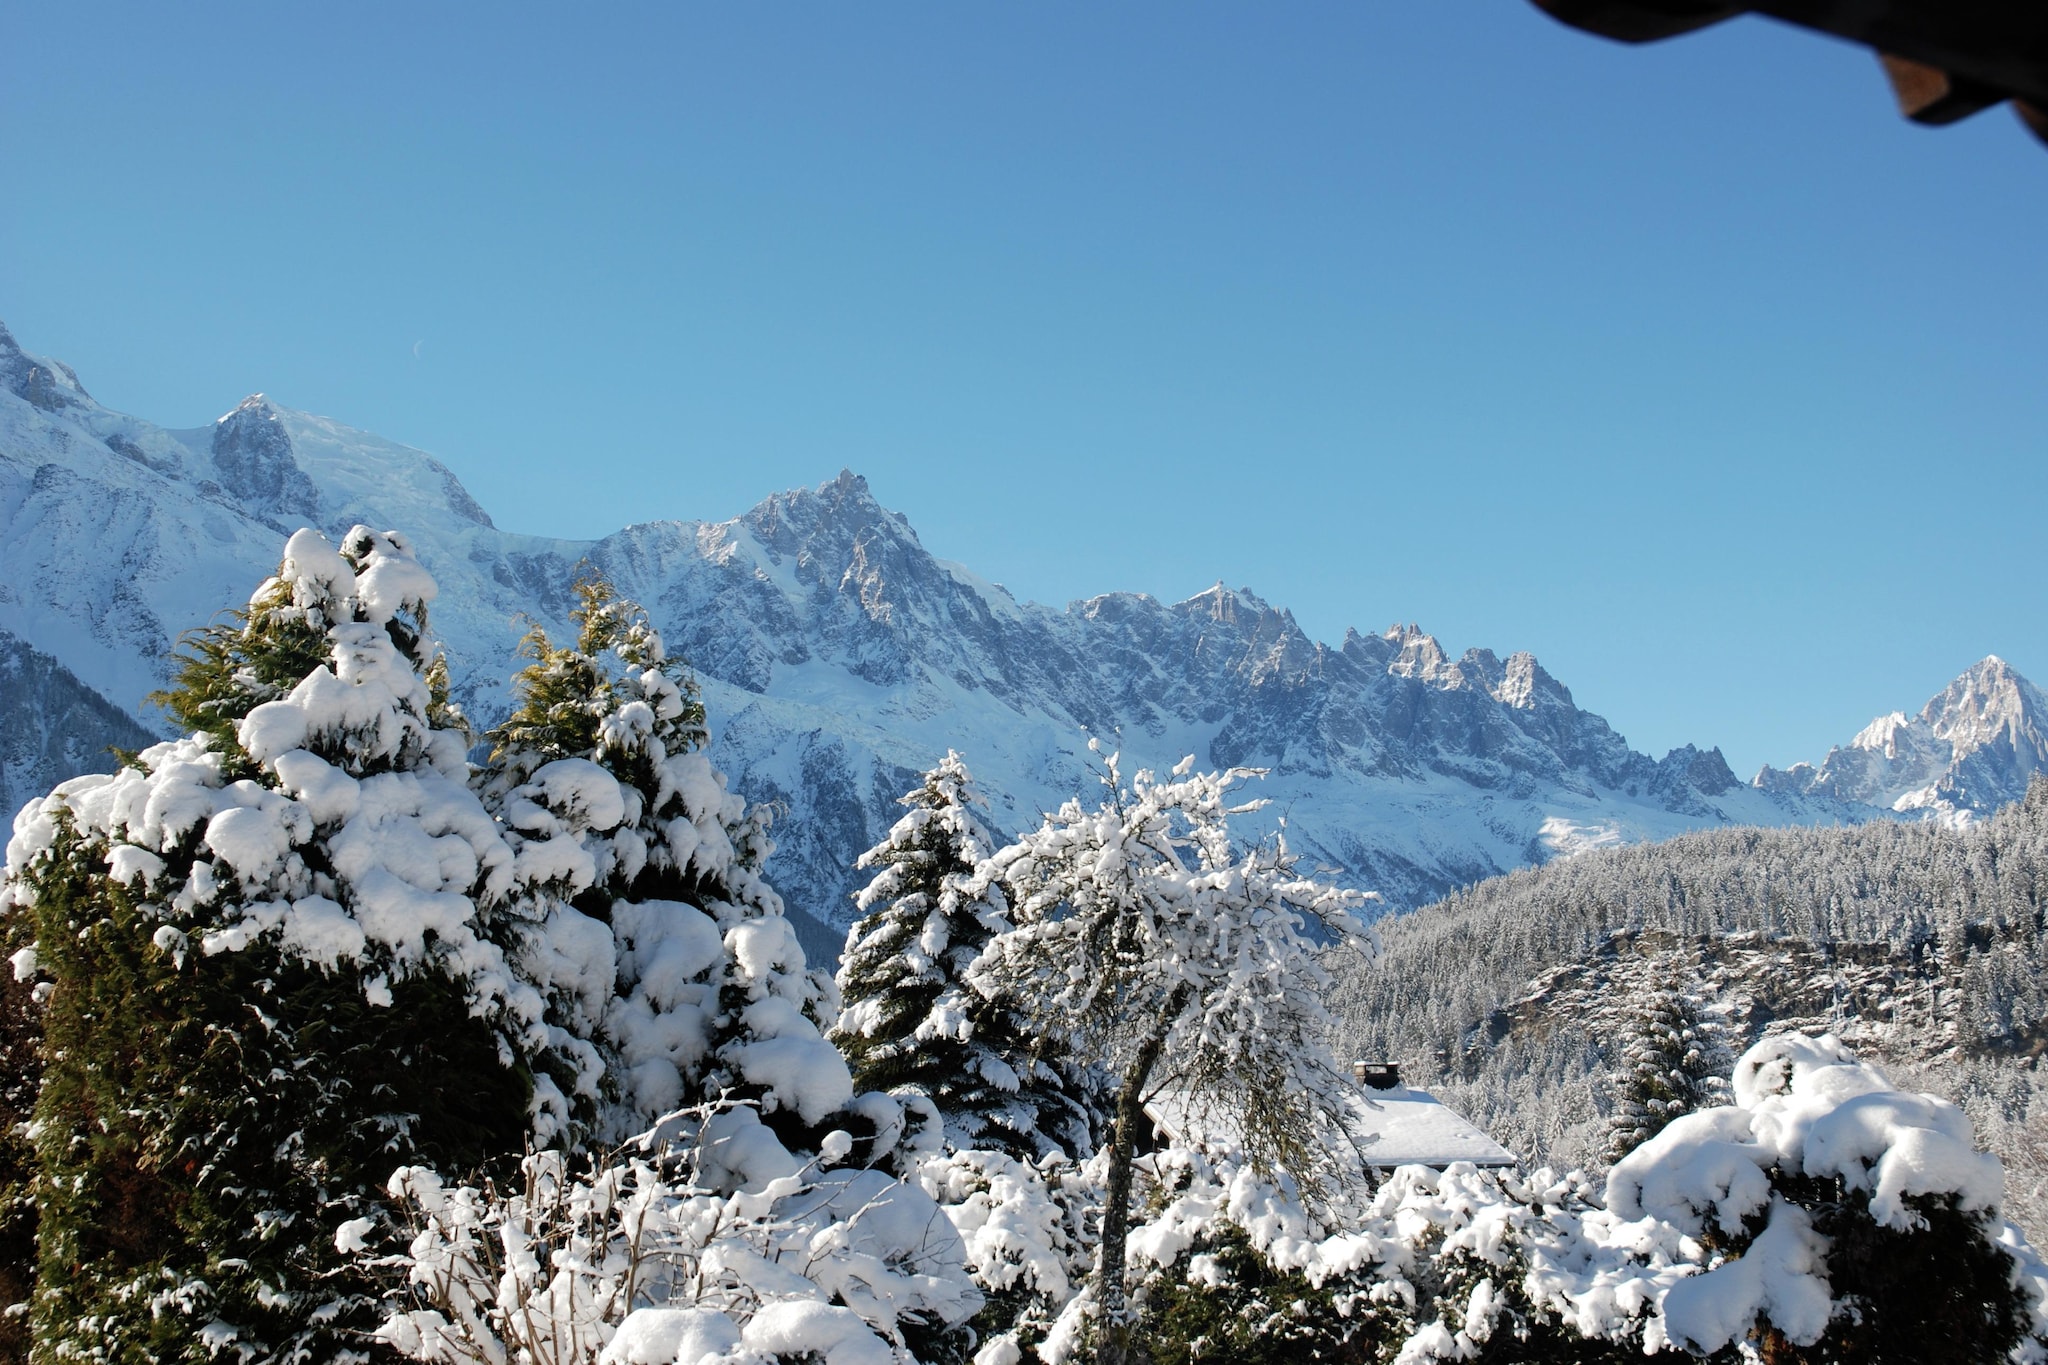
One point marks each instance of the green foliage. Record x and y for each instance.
(566, 695)
(204, 1126)
(205, 1120)
(1223, 1301)
(1675, 1058)
(247, 656)
(1940, 1294)
(250, 655)
(616, 698)
(21, 1074)
(911, 1022)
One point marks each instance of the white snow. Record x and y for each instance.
(671, 1255)
(671, 1336)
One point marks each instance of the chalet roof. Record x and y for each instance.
(1415, 1128)
(1410, 1127)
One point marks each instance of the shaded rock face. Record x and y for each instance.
(252, 455)
(1971, 749)
(461, 503)
(46, 384)
(839, 658)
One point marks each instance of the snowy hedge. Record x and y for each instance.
(705, 1240)
(1823, 1216)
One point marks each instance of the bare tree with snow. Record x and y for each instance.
(1149, 940)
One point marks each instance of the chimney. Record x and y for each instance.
(1377, 1075)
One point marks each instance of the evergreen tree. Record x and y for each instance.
(1675, 1056)
(21, 1071)
(670, 973)
(910, 1019)
(263, 952)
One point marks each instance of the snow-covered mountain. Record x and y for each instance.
(839, 658)
(1973, 747)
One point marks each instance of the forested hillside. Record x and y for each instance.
(52, 726)
(1923, 945)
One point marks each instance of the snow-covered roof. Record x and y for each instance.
(1415, 1128)
(1410, 1127)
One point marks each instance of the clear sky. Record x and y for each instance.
(1691, 368)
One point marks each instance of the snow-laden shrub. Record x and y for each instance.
(1824, 1216)
(263, 953)
(1029, 1232)
(704, 1241)
(1430, 1266)
(669, 971)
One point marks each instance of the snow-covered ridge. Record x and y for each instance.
(1972, 748)
(839, 658)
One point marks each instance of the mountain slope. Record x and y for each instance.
(839, 658)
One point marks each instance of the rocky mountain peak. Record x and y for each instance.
(1525, 685)
(825, 527)
(1971, 748)
(1705, 772)
(1989, 701)
(1238, 607)
(254, 462)
(1419, 655)
(1885, 735)
(47, 384)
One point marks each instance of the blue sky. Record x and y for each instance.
(1690, 368)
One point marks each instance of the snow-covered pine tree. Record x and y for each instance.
(671, 974)
(264, 951)
(1674, 1060)
(1148, 941)
(909, 1018)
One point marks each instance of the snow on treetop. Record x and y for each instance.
(1808, 1105)
(1804, 1106)
(358, 841)
(384, 578)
